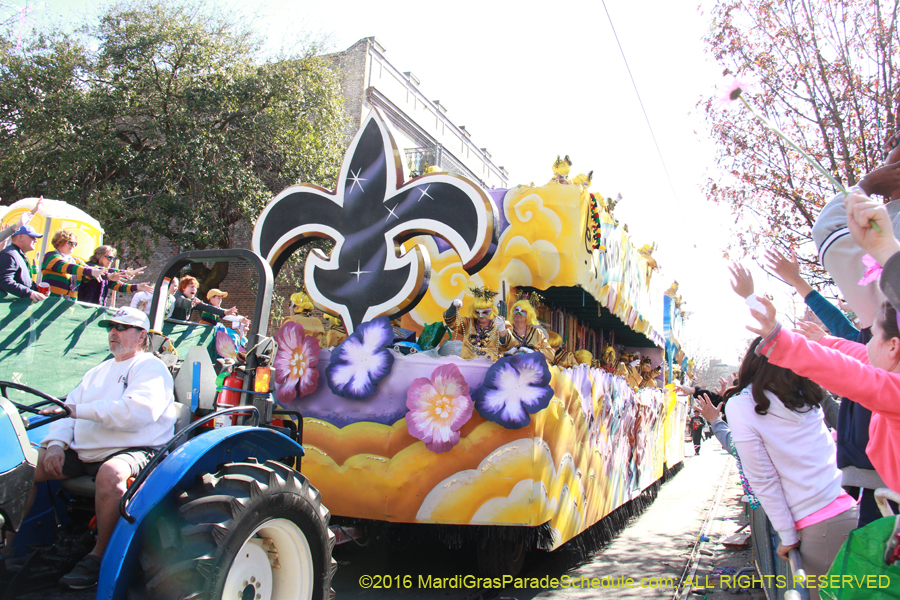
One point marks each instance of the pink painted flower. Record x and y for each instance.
(226, 346)
(438, 408)
(873, 270)
(296, 374)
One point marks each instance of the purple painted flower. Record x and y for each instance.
(514, 388)
(226, 347)
(438, 407)
(361, 361)
(296, 374)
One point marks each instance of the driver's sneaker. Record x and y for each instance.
(84, 575)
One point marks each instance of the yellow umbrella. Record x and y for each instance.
(53, 216)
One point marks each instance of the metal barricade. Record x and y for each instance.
(770, 566)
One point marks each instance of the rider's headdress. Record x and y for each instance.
(483, 292)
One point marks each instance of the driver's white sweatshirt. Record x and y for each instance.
(127, 404)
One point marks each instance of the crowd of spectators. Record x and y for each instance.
(812, 463)
(91, 282)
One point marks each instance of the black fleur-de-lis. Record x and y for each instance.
(368, 217)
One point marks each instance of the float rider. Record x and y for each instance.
(483, 332)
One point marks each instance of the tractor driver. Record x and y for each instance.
(121, 413)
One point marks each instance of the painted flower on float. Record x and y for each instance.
(361, 361)
(296, 374)
(514, 388)
(438, 408)
(226, 347)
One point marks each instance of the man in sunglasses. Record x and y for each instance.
(16, 267)
(121, 413)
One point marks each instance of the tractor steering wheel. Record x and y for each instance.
(46, 399)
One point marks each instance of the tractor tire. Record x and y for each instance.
(251, 531)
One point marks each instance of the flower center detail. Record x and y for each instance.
(442, 407)
(298, 364)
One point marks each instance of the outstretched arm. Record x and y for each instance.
(839, 366)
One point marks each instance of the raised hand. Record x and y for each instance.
(862, 212)
(788, 270)
(707, 410)
(145, 287)
(884, 180)
(723, 385)
(26, 217)
(685, 389)
(810, 330)
(500, 324)
(766, 321)
(742, 280)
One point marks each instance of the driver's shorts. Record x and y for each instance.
(137, 459)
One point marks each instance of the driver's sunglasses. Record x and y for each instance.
(71, 243)
(121, 326)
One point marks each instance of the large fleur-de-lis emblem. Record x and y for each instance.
(368, 217)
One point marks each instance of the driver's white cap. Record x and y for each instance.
(128, 316)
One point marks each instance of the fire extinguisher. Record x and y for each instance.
(228, 398)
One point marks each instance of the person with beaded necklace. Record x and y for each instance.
(483, 332)
(527, 334)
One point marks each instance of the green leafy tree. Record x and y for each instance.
(162, 119)
(827, 75)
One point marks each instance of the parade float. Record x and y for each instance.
(398, 428)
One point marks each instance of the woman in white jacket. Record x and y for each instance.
(788, 456)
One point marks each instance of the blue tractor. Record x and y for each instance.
(220, 512)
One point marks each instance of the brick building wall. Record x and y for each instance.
(351, 66)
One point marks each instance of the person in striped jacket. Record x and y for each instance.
(64, 272)
(96, 291)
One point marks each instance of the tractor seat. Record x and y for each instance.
(85, 485)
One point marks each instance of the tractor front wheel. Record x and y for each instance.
(251, 531)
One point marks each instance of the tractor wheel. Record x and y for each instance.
(250, 532)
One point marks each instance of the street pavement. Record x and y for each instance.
(663, 546)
